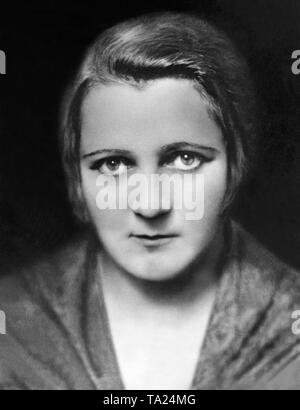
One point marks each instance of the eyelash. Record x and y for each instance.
(98, 164)
(196, 155)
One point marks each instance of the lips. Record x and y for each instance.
(154, 237)
(153, 240)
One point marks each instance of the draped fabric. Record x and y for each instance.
(58, 335)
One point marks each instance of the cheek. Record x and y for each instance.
(105, 220)
(208, 201)
(215, 184)
(200, 232)
(109, 223)
(204, 195)
(89, 191)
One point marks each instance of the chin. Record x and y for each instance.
(158, 270)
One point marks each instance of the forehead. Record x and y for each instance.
(165, 111)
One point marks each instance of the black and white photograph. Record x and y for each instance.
(150, 198)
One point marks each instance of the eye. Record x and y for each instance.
(186, 161)
(111, 166)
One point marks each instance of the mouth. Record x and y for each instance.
(153, 240)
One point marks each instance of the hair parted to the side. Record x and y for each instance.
(162, 45)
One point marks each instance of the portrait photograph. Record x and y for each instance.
(150, 198)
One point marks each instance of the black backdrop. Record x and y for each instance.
(44, 42)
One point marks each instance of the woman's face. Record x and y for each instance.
(132, 135)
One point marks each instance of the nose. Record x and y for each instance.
(149, 213)
(150, 201)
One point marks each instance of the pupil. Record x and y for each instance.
(187, 159)
(113, 164)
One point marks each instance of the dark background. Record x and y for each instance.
(44, 43)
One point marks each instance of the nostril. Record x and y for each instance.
(153, 214)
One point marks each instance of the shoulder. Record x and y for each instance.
(46, 271)
(268, 299)
(263, 273)
(38, 302)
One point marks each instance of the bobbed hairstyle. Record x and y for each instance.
(166, 45)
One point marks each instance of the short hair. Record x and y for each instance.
(166, 45)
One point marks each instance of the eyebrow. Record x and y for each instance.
(107, 151)
(185, 145)
(162, 151)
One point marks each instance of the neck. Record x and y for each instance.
(137, 296)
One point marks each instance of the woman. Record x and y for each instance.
(164, 296)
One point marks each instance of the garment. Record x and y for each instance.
(58, 335)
